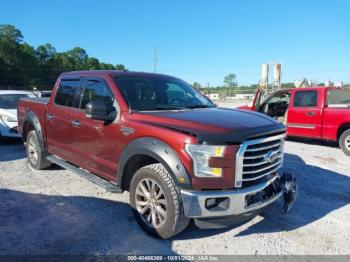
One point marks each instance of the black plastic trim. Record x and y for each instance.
(34, 121)
(161, 152)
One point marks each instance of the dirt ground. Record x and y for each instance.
(56, 212)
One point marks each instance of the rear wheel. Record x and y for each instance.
(344, 142)
(36, 156)
(156, 202)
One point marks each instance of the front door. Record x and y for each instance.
(305, 114)
(95, 142)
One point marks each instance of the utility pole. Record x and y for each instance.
(155, 60)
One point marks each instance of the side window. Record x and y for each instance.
(96, 90)
(305, 99)
(338, 97)
(66, 92)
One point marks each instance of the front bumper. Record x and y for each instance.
(240, 202)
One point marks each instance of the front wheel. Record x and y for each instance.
(344, 142)
(156, 202)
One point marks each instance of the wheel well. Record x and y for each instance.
(342, 128)
(132, 165)
(27, 127)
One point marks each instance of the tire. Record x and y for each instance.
(174, 220)
(344, 142)
(35, 154)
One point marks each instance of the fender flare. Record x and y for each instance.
(161, 152)
(32, 119)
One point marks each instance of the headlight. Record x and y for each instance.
(7, 118)
(201, 155)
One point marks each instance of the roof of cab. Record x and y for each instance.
(114, 73)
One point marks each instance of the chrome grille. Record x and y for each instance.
(258, 158)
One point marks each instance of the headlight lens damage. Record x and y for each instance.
(201, 155)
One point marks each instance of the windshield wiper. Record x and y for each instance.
(199, 106)
(168, 108)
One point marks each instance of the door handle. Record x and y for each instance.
(75, 123)
(310, 113)
(49, 116)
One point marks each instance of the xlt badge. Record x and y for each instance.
(127, 130)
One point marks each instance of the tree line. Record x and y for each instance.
(24, 67)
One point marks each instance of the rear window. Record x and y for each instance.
(305, 99)
(65, 95)
(338, 97)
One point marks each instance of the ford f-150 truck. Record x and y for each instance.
(179, 156)
(312, 112)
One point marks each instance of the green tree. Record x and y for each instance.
(78, 57)
(10, 53)
(23, 66)
(230, 81)
(93, 63)
(119, 67)
(197, 85)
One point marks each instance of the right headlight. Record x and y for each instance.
(201, 155)
(7, 118)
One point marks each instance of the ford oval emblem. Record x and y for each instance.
(270, 156)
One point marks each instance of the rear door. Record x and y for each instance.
(59, 117)
(95, 143)
(305, 113)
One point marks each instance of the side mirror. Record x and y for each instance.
(98, 110)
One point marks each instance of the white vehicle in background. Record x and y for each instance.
(45, 93)
(8, 111)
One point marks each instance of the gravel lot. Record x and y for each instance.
(56, 212)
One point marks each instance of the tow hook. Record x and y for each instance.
(289, 186)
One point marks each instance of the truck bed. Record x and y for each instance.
(37, 105)
(42, 100)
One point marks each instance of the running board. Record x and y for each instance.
(85, 174)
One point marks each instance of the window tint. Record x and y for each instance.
(305, 99)
(146, 93)
(339, 96)
(176, 93)
(66, 92)
(96, 91)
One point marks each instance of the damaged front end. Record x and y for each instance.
(290, 188)
(236, 206)
(283, 185)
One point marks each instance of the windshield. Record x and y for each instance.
(10, 101)
(149, 93)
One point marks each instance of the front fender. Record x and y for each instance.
(161, 152)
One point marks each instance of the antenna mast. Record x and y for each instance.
(155, 60)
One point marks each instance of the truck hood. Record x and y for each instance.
(215, 125)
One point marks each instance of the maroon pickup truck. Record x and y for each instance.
(179, 156)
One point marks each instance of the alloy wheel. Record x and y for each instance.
(33, 150)
(151, 203)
